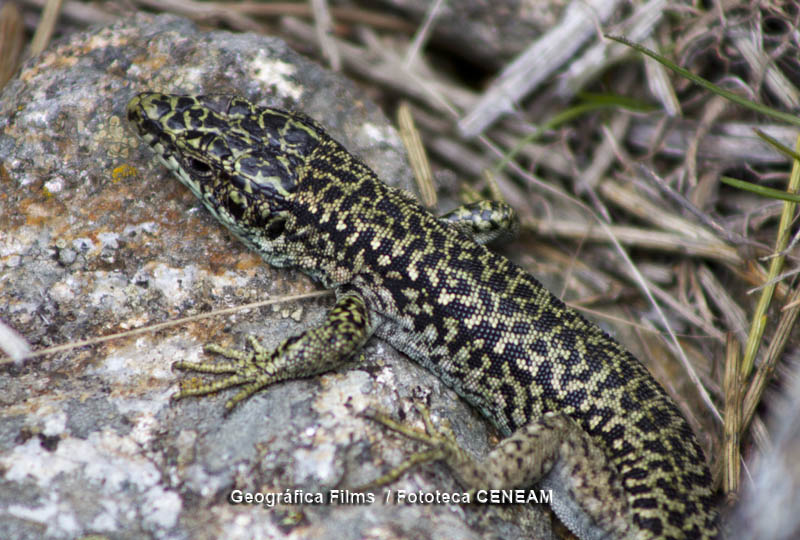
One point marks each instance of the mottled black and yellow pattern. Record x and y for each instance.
(582, 415)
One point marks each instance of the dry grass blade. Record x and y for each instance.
(604, 156)
(733, 396)
(384, 67)
(766, 369)
(734, 316)
(417, 156)
(727, 94)
(716, 106)
(586, 68)
(156, 327)
(12, 39)
(639, 237)
(207, 11)
(603, 159)
(47, 24)
(423, 34)
(728, 142)
(659, 83)
(323, 23)
(650, 211)
(749, 44)
(79, 12)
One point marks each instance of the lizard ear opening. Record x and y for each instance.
(276, 227)
(236, 204)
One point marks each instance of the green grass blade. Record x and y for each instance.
(760, 190)
(753, 106)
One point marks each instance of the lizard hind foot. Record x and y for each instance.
(441, 442)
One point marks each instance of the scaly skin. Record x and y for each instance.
(581, 415)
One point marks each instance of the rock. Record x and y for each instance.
(97, 238)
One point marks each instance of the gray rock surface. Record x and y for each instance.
(96, 238)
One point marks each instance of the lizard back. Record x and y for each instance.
(486, 327)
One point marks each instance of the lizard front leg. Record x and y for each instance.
(484, 221)
(344, 331)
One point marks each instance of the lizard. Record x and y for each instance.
(579, 414)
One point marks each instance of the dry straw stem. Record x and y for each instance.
(734, 316)
(160, 326)
(597, 58)
(729, 142)
(417, 156)
(384, 67)
(78, 12)
(11, 41)
(765, 370)
(423, 34)
(749, 42)
(660, 84)
(636, 236)
(47, 24)
(243, 15)
(733, 397)
(323, 23)
(537, 63)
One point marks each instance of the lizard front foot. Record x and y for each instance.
(254, 369)
(314, 351)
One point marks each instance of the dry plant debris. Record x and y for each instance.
(613, 161)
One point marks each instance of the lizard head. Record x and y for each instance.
(243, 162)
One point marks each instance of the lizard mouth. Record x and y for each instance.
(148, 113)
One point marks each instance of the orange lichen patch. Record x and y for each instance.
(152, 62)
(248, 262)
(221, 260)
(37, 212)
(51, 61)
(4, 176)
(120, 172)
(105, 206)
(68, 54)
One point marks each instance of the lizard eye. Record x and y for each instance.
(197, 166)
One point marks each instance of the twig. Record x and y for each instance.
(167, 324)
(536, 63)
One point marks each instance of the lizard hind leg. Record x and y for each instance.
(553, 453)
